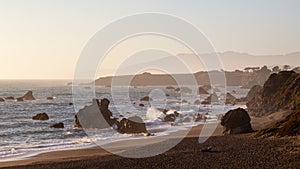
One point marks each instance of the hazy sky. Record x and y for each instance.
(42, 39)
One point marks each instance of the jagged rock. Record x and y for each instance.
(280, 92)
(255, 90)
(2, 100)
(9, 98)
(290, 126)
(41, 116)
(132, 125)
(146, 98)
(236, 121)
(99, 116)
(57, 125)
(27, 96)
(201, 90)
(230, 99)
(212, 98)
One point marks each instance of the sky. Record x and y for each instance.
(42, 39)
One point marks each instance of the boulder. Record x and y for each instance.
(132, 125)
(280, 92)
(236, 121)
(146, 98)
(41, 116)
(201, 90)
(57, 125)
(2, 100)
(9, 98)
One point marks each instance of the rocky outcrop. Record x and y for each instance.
(201, 90)
(212, 98)
(236, 121)
(2, 100)
(290, 126)
(254, 91)
(57, 125)
(27, 96)
(41, 116)
(146, 98)
(98, 116)
(280, 92)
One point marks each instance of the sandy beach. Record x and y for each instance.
(231, 151)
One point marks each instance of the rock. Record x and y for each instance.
(290, 126)
(230, 99)
(212, 98)
(41, 116)
(57, 125)
(202, 91)
(28, 96)
(2, 100)
(96, 115)
(50, 98)
(167, 95)
(255, 90)
(70, 104)
(236, 121)
(146, 98)
(141, 105)
(9, 98)
(197, 102)
(132, 125)
(170, 88)
(280, 92)
(77, 122)
(170, 116)
(177, 89)
(20, 99)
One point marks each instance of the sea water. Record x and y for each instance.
(20, 136)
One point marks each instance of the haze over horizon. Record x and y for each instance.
(43, 39)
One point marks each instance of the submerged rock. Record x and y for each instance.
(236, 121)
(57, 125)
(146, 98)
(41, 116)
(9, 98)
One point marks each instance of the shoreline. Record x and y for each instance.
(95, 150)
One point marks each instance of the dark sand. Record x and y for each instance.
(232, 151)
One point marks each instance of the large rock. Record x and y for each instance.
(255, 90)
(27, 96)
(57, 125)
(236, 121)
(99, 116)
(290, 126)
(280, 92)
(96, 115)
(41, 116)
(132, 125)
(230, 99)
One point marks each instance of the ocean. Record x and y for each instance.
(21, 137)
